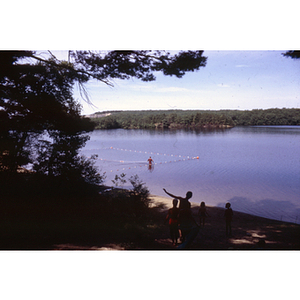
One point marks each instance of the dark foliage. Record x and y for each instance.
(140, 64)
(43, 212)
(40, 121)
(295, 54)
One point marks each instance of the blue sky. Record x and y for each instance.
(231, 80)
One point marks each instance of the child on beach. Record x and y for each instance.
(228, 218)
(202, 213)
(172, 217)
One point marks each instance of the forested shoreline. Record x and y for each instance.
(177, 119)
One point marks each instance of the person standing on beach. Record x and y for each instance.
(172, 217)
(202, 213)
(187, 225)
(228, 217)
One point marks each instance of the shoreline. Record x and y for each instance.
(167, 201)
(249, 232)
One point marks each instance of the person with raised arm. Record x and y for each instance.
(187, 225)
(184, 202)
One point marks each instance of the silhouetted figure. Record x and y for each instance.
(187, 225)
(228, 218)
(202, 213)
(184, 202)
(172, 217)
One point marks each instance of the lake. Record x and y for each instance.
(256, 169)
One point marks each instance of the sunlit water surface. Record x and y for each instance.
(256, 169)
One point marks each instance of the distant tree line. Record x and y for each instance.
(261, 117)
(176, 119)
(173, 119)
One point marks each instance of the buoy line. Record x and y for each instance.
(139, 164)
(146, 152)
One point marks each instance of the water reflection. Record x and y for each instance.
(278, 130)
(151, 168)
(187, 132)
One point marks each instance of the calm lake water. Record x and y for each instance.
(256, 169)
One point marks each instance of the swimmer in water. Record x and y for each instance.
(150, 160)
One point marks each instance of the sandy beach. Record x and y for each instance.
(248, 231)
